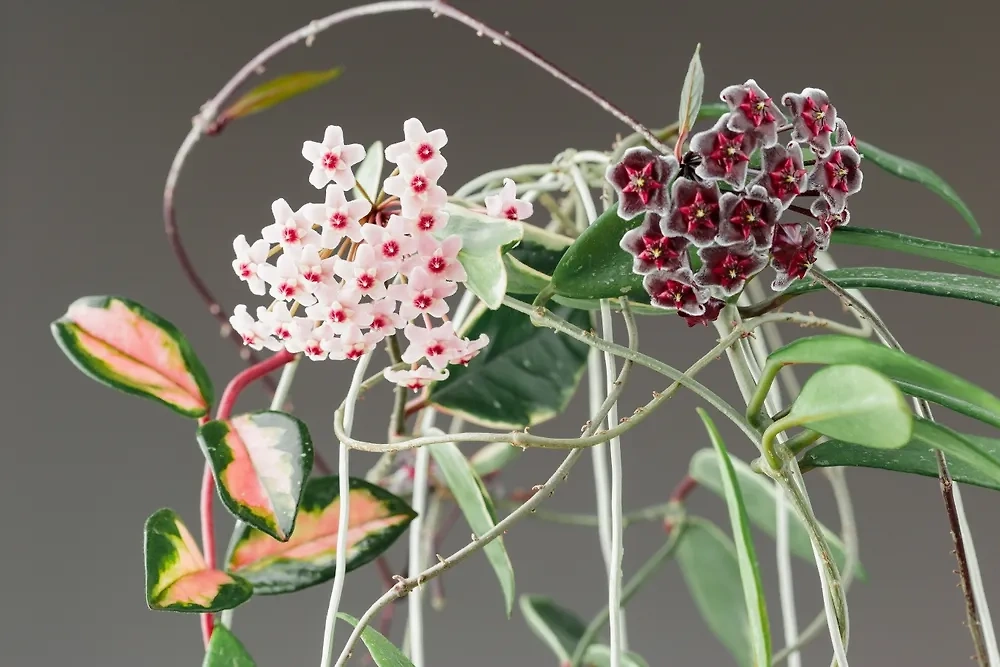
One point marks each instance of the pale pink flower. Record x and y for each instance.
(351, 345)
(367, 273)
(253, 333)
(391, 243)
(286, 282)
(437, 344)
(332, 160)
(385, 321)
(311, 339)
(277, 321)
(248, 259)
(506, 204)
(340, 308)
(419, 144)
(440, 258)
(427, 221)
(290, 228)
(424, 293)
(469, 349)
(313, 269)
(416, 378)
(416, 185)
(337, 217)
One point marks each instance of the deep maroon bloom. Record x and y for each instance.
(842, 136)
(783, 174)
(813, 118)
(827, 219)
(712, 309)
(651, 250)
(726, 269)
(752, 112)
(676, 289)
(746, 217)
(642, 179)
(837, 176)
(793, 253)
(695, 212)
(724, 153)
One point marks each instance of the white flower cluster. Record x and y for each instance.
(338, 258)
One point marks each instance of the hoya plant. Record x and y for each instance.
(485, 307)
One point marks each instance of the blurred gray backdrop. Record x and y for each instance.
(95, 97)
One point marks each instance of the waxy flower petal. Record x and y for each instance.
(676, 289)
(290, 228)
(468, 349)
(838, 176)
(341, 309)
(724, 154)
(726, 269)
(384, 319)
(439, 258)
(792, 253)
(422, 293)
(278, 321)
(337, 217)
(713, 307)
(255, 335)
(506, 204)
(641, 179)
(416, 378)
(427, 221)
(813, 118)
(351, 345)
(418, 144)
(332, 160)
(310, 339)
(752, 112)
(367, 272)
(286, 281)
(747, 216)
(842, 136)
(438, 344)
(248, 259)
(695, 212)
(783, 174)
(828, 219)
(416, 185)
(651, 250)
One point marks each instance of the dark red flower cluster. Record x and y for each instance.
(735, 183)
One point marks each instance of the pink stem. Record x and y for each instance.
(207, 541)
(248, 376)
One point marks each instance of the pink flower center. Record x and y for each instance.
(249, 338)
(245, 270)
(291, 235)
(314, 349)
(641, 182)
(313, 274)
(338, 220)
(390, 249)
(282, 332)
(757, 109)
(422, 301)
(337, 315)
(425, 152)
(435, 349)
(511, 213)
(426, 222)
(366, 281)
(330, 160)
(354, 351)
(437, 264)
(288, 289)
(418, 184)
(379, 323)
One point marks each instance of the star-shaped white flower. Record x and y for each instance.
(440, 258)
(290, 228)
(314, 270)
(254, 334)
(341, 309)
(469, 349)
(286, 282)
(391, 243)
(423, 293)
(311, 339)
(506, 204)
(416, 185)
(351, 345)
(248, 259)
(367, 273)
(277, 321)
(417, 378)
(438, 345)
(385, 321)
(332, 160)
(421, 145)
(337, 217)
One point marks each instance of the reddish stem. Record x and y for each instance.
(248, 376)
(207, 541)
(679, 495)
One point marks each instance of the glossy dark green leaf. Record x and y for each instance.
(853, 403)
(972, 459)
(972, 257)
(472, 498)
(526, 375)
(383, 651)
(691, 95)
(225, 650)
(760, 500)
(911, 171)
(950, 285)
(557, 626)
(707, 558)
(278, 90)
(746, 555)
(595, 266)
(541, 249)
(914, 376)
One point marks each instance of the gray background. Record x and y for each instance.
(97, 95)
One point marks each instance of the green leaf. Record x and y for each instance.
(853, 403)
(126, 347)
(483, 240)
(950, 285)
(914, 376)
(753, 589)
(911, 171)
(972, 257)
(260, 461)
(598, 655)
(707, 558)
(595, 266)
(383, 651)
(225, 650)
(177, 577)
(557, 626)
(309, 557)
(493, 457)
(971, 459)
(760, 501)
(369, 173)
(712, 110)
(474, 501)
(525, 376)
(278, 90)
(540, 249)
(691, 94)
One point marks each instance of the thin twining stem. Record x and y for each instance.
(652, 513)
(405, 586)
(972, 588)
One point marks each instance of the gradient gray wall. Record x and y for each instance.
(96, 96)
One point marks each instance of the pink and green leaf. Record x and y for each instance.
(177, 577)
(377, 519)
(124, 346)
(261, 461)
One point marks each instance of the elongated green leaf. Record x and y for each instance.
(278, 90)
(369, 173)
(383, 651)
(526, 375)
(753, 589)
(911, 171)
(177, 577)
(707, 558)
(260, 462)
(483, 242)
(475, 503)
(225, 650)
(914, 376)
(950, 285)
(972, 459)
(124, 346)
(856, 404)
(541, 249)
(493, 457)
(760, 500)
(309, 557)
(595, 266)
(691, 93)
(557, 626)
(712, 110)
(598, 655)
(972, 257)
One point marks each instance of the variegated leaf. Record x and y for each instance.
(309, 556)
(261, 461)
(177, 577)
(121, 344)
